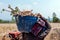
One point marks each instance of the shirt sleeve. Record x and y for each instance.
(45, 33)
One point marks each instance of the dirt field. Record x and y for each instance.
(55, 26)
(8, 27)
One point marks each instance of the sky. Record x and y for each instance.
(44, 7)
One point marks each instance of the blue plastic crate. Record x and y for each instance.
(25, 23)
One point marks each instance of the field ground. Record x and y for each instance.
(55, 26)
(8, 27)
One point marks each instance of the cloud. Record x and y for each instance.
(35, 3)
(1, 3)
(25, 6)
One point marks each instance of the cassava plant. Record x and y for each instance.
(13, 11)
(22, 13)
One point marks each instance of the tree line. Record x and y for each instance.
(55, 19)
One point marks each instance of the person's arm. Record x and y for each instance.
(45, 33)
(46, 23)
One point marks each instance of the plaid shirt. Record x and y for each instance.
(41, 22)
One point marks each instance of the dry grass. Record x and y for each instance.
(54, 33)
(5, 28)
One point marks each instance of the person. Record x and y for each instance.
(47, 28)
(41, 34)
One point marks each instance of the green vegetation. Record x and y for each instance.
(55, 18)
(13, 11)
(7, 21)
